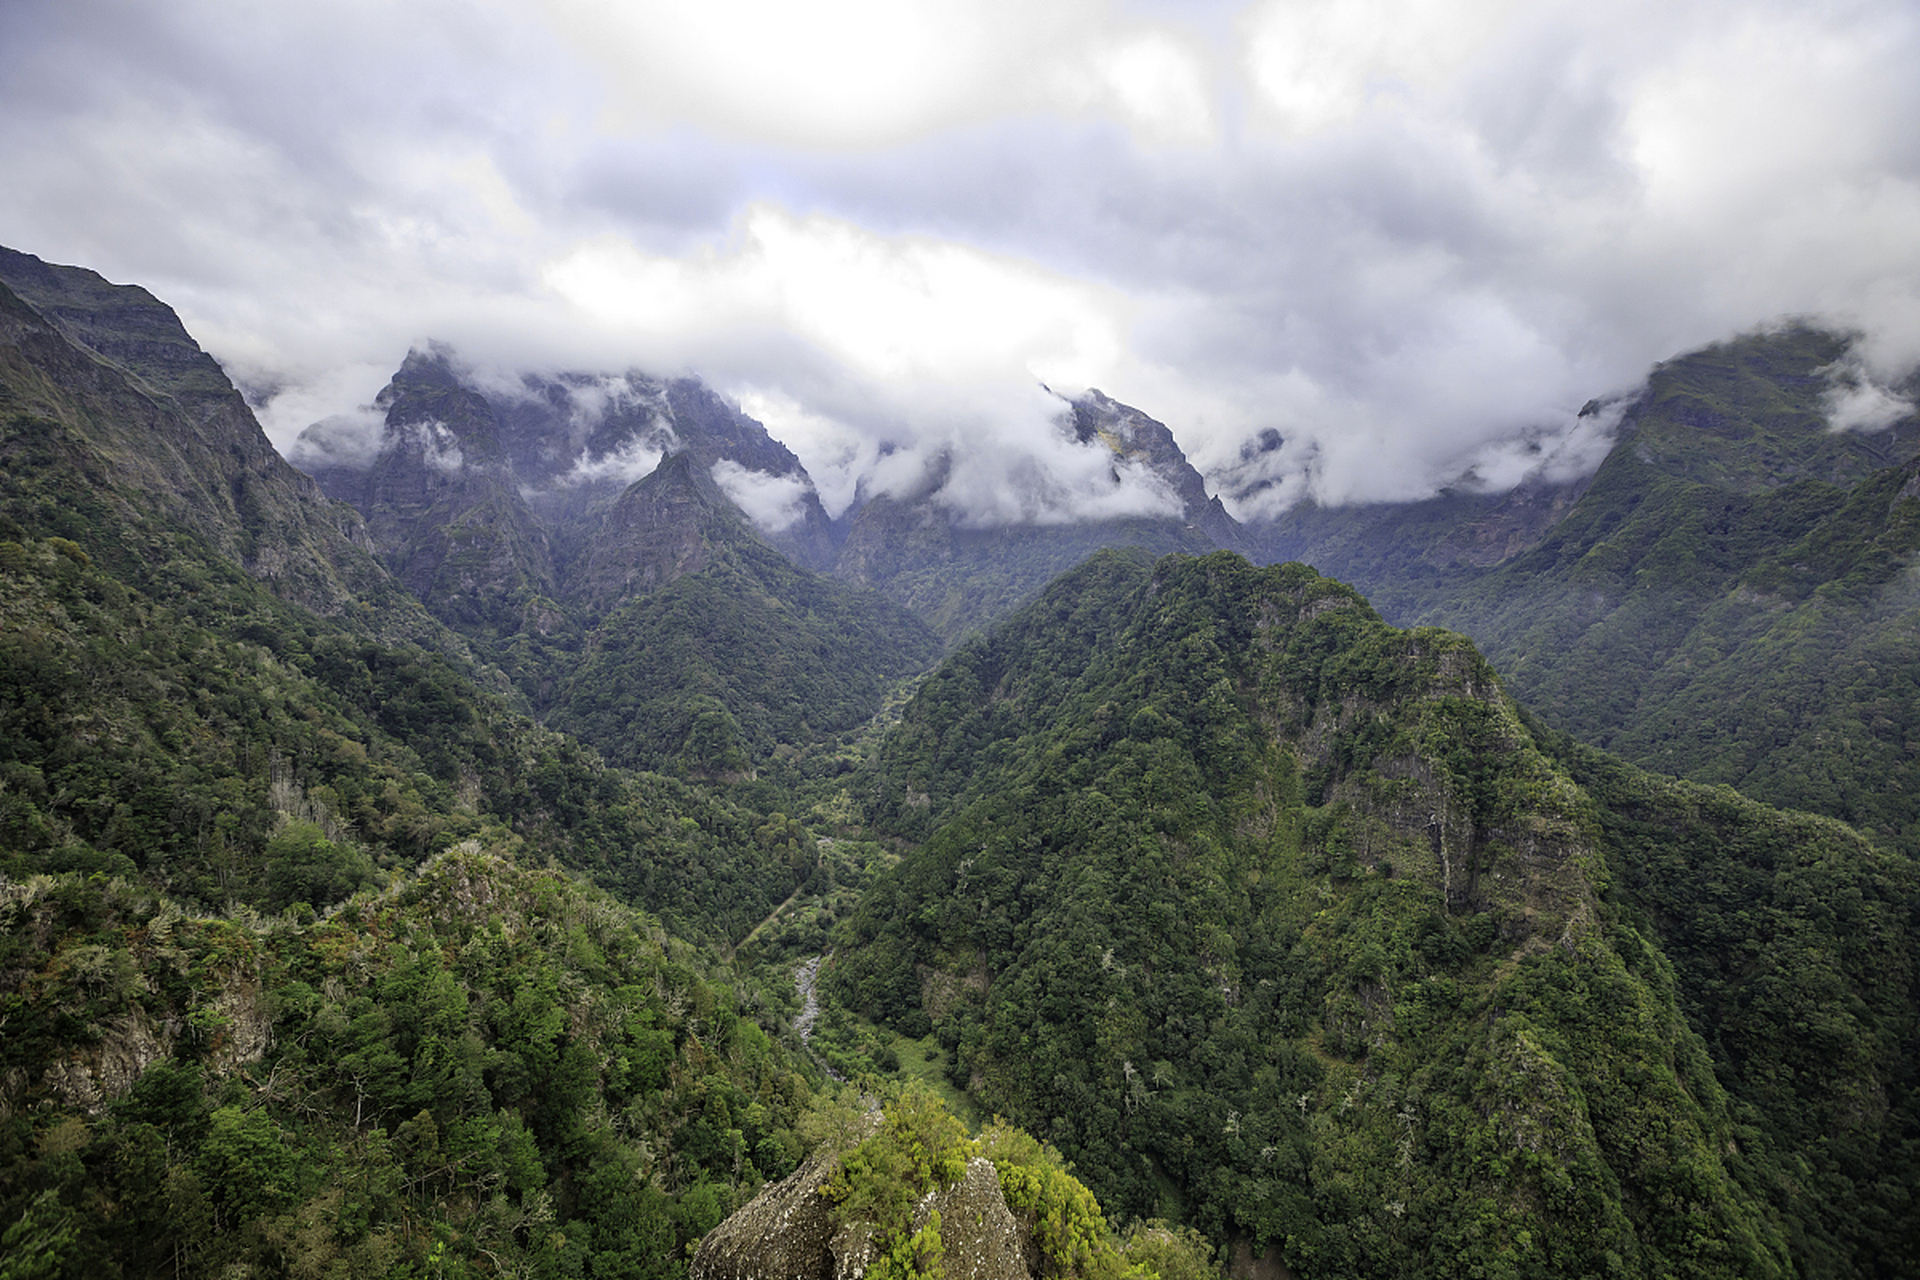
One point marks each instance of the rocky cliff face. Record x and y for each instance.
(788, 1232)
(534, 463)
(1132, 435)
(443, 502)
(661, 529)
(109, 401)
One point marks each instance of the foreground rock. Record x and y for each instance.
(788, 1232)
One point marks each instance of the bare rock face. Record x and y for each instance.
(788, 1232)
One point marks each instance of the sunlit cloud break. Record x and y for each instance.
(1405, 237)
(906, 311)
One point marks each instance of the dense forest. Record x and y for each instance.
(484, 1070)
(417, 886)
(1279, 920)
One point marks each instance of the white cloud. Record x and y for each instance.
(634, 460)
(836, 454)
(342, 396)
(872, 73)
(439, 446)
(1320, 63)
(772, 502)
(1152, 80)
(1556, 453)
(1856, 402)
(352, 439)
(895, 309)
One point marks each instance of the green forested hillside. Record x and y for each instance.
(231, 748)
(170, 713)
(295, 977)
(722, 651)
(1729, 598)
(1275, 918)
(485, 1071)
(1282, 923)
(1698, 619)
(1795, 947)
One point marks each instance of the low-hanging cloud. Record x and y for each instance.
(1855, 400)
(635, 459)
(350, 440)
(774, 503)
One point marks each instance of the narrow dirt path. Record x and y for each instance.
(771, 917)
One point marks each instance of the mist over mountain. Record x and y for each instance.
(488, 492)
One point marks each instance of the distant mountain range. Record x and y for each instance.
(1726, 521)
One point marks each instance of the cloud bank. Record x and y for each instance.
(1406, 241)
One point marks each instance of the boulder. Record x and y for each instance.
(788, 1232)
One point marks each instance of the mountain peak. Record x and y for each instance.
(666, 525)
(107, 378)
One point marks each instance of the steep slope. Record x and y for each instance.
(1795, 948)
(165, 714)
(961, 577)
(1137, 439)
(1730, 599)
(490, 1069)
(116, 421)
(552, 521)
(1738, 418)
(564, 446)
(1275, 917)
(443, 504)
(1413, 556)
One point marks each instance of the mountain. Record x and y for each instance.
(962, 577)
(487, 495)
(719, 652)
(1280, 920)
(192, 696)
(443, 503)
(292, 976)
(1741, 417)
(290, 972)
(579, 531)
(1728, 598)
(554, 449)
(120, 433)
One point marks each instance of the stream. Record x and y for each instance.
(806, 978)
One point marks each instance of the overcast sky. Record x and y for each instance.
(1402, 234)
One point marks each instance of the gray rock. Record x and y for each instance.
(788, 1232)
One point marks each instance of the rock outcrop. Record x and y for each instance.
(789, 1232)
